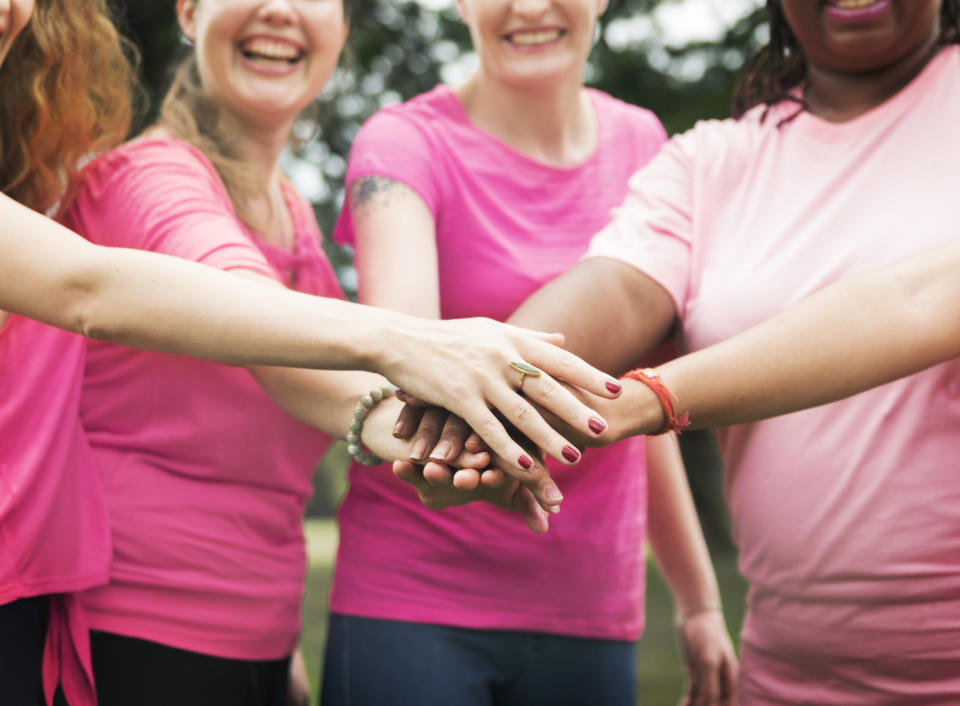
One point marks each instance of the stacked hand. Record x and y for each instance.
(450, 465)
(486, 377)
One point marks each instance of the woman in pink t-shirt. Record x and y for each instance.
(54, 537)
(461, 202)
(843, 159)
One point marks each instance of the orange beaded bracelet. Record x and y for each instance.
(651, 378)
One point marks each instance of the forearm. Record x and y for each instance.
(171, 305)
(851, 336)
(611, 314)
(326, 400)
(674, 530)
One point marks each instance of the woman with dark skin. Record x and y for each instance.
(847, 515)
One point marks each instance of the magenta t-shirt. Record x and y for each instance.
(505, 225)
(847, 515)
(54, 536)
(206, 478)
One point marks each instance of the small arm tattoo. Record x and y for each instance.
(364, 191)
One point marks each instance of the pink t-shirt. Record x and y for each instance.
(54, 535)
(505, 225)
(206, 477)
(848, 515)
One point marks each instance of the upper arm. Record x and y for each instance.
(396, 252)
(47, 292)
(393, 196)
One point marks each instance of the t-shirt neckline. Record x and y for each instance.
(461, 115)
(898, 103)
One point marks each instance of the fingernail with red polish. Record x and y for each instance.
(570, 453)
(525, 462)
(614, 387)
(597, 426)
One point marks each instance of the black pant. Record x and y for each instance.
(130, 671)
(23, 629)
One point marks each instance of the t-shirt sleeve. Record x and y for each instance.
(652, 230)
(396, 145)
(164, 197)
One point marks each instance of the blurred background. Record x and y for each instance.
(679, 58)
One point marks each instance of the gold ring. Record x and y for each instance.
(525, 369)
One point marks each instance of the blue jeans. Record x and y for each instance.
(371, 662)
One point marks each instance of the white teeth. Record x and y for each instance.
(853, 4)
(271, 49)
(529, 39)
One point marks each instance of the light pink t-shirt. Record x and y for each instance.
(848, 515)
(505, 225)
(54, 535)
(206, 477)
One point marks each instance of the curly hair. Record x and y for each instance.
(67, 88)
(772, 74)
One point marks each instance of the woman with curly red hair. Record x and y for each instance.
(66, 84)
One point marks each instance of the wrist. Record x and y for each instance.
(369, 439)
(381, 344)
(643, 413)
(710, 607)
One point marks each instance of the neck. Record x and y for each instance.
(839, 97)
(555, 124)
(258, 145)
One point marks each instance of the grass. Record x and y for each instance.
(659, 669)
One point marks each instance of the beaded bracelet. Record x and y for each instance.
(366, 403)
(651, 378)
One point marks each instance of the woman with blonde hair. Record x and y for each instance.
(66, 82)
(462, 201)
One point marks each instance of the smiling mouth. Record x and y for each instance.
(853, 4)
(269, 50)
(535, 39)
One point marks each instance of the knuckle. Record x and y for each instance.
(524, 413)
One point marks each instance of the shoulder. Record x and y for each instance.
(148, 163)
(623, 116)
(717, 142)
(422, 115)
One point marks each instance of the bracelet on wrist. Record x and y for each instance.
(696, 610)
(651, 378)
(360, 412)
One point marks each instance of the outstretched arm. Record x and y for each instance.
(855, 334)
(168, 304)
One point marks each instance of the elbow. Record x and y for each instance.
(88, 313)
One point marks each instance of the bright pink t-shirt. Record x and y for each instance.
(54, 535)
(206, 477)
(505, 225)
(848, 515)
